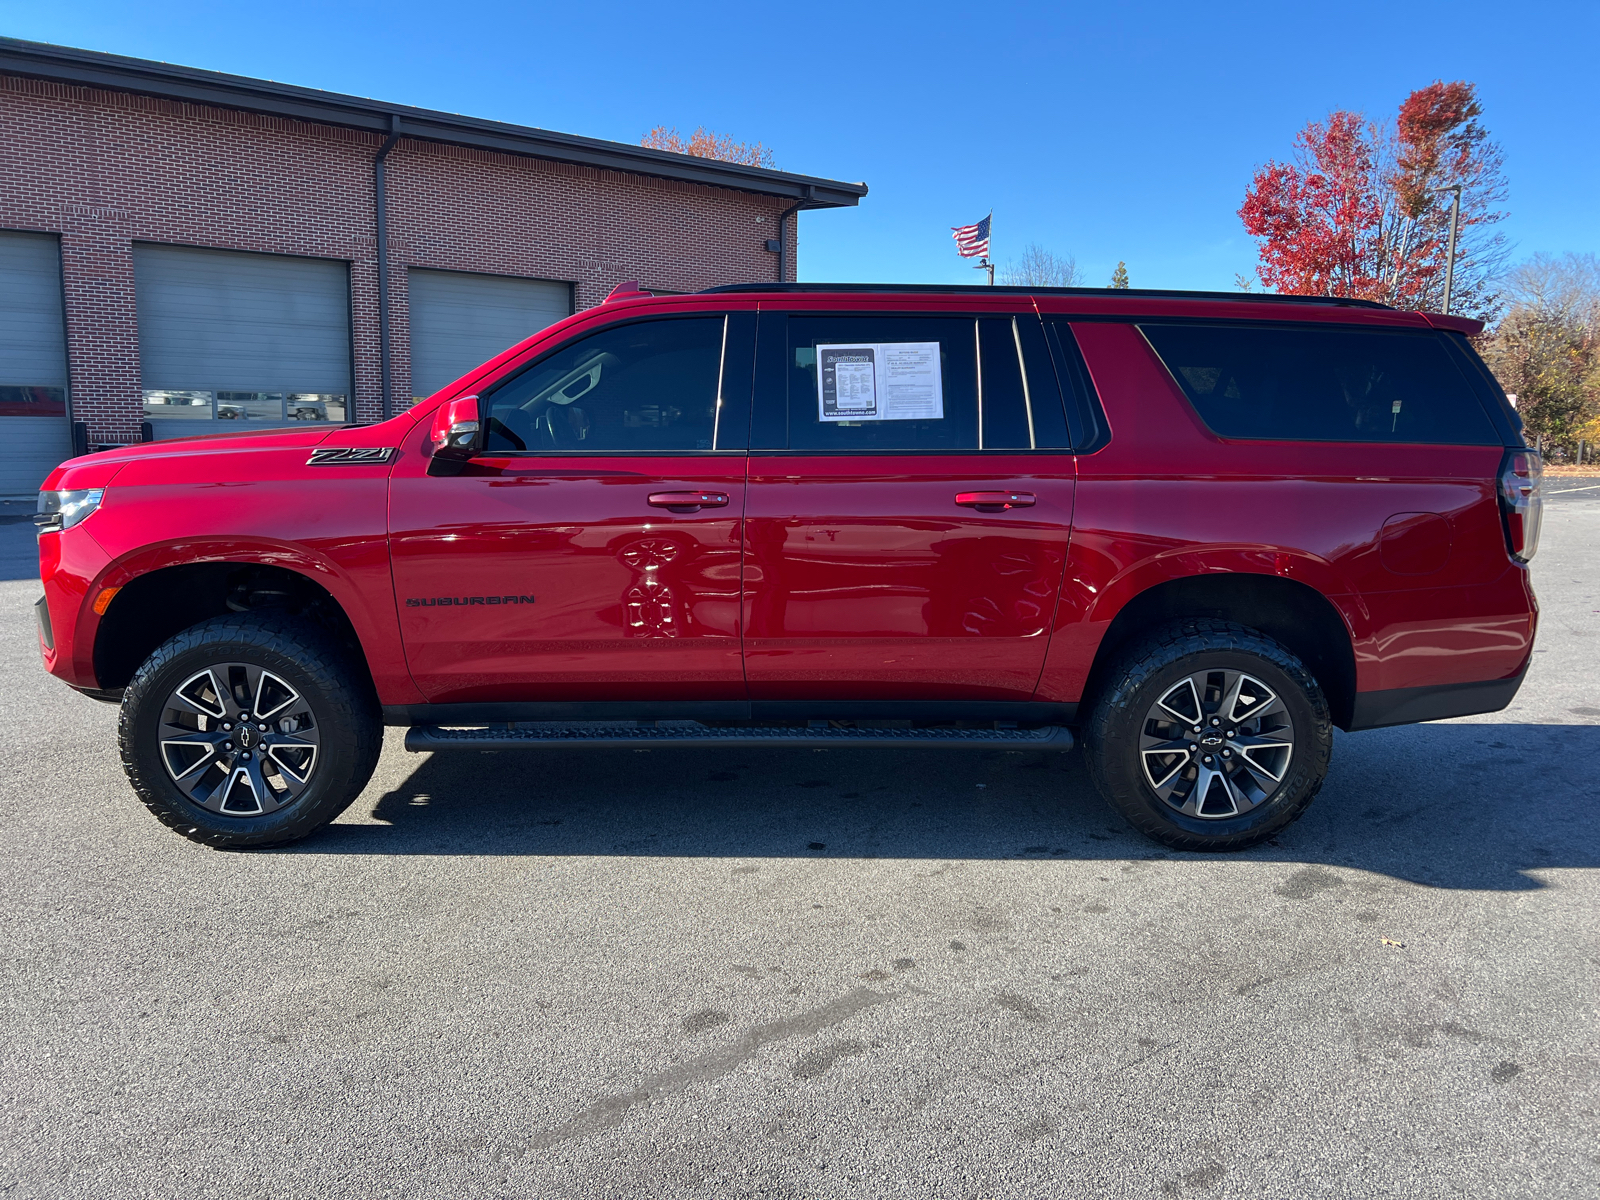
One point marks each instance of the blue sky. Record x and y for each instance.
(1105, 131)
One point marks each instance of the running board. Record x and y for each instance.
(629, 735)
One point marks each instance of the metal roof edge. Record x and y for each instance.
(114, 72)
(1024, 290)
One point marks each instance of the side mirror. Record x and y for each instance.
(457, 435)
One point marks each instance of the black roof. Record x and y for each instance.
(90, 68)
(1018, 289)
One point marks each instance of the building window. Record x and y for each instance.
(33, 402)
(271, 408)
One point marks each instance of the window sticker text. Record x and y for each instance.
(879, 381)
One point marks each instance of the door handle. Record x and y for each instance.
(688, 502)
(995, 501)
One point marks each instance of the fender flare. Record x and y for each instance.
(1191, 562)
(377, 632)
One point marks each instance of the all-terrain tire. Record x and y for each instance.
(333, 687)
(1145, 675)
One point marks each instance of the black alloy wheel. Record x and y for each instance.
(1210, 736)
(249, 730)
(239, 740)
(1217, 744)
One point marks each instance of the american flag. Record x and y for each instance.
(972, 241)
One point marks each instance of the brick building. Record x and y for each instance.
(180, 248)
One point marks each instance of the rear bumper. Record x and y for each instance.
(1406, 706)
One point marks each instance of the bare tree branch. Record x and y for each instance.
(1039, 267)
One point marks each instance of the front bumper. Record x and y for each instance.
(70, 563)
(47, 635)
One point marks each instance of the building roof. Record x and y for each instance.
(90, 68)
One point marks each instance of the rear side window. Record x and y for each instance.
(1281, 383)
(914, 383)
(882, 383)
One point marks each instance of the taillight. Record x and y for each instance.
(1521, 504)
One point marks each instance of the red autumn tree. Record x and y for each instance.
(702, 143)
(1359, 211)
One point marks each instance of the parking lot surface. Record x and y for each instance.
(813, 973)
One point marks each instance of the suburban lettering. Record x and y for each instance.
(441, 601)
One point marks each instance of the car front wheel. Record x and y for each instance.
(1210, 736)
(249, 730)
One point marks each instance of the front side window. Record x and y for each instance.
(1284, 383)
(647, 387)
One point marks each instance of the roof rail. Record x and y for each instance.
(986, 289)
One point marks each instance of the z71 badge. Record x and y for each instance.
(431, 601)
(341, 456)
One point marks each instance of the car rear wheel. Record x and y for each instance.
(249, 730)
(1210, 736)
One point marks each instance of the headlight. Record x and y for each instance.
(63, 510)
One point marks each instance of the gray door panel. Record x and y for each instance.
(229, 336)
(34, 432)
(460, 320)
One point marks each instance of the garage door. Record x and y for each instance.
(461, 320)
(249, 339)
(33, 363)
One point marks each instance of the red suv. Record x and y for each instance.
(1200, 530)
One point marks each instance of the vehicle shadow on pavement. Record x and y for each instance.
(1483, 806)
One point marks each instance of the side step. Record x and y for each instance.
(642, 735)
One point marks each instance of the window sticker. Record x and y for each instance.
(880, 381)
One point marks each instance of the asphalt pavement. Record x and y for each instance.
(813, 973)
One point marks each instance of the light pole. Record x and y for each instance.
(1450, 251)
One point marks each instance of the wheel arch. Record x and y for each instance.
(1292, 613)
(154, 605)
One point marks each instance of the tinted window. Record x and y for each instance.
(1077, 389)
(911, 383)
(1007, 419)
(1329, 385)
(882, 383)
(648, 387)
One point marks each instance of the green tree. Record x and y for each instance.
(1546, 349)
(1119, 277)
